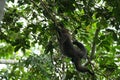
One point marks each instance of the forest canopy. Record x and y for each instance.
(28, 40)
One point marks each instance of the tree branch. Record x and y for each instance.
(94, 43)
(117, 56)
(10, 61)
(2, 5)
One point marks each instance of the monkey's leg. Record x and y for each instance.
(79, 67)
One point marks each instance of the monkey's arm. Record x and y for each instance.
(60, 36)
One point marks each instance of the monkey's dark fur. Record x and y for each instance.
(67, 48)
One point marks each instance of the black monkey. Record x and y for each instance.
(68, 49)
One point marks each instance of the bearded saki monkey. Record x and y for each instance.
(69, 49)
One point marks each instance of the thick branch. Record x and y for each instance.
(117, 56)
(3, 61)
(48, 11)
(2, 5)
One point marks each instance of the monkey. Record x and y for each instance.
(67, 48)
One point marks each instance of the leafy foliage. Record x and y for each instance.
(28, 29)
